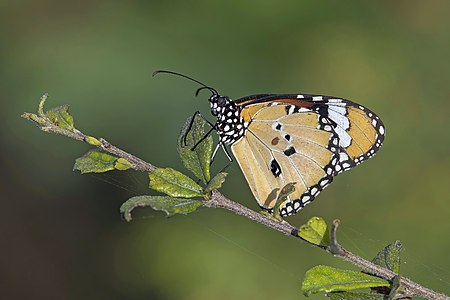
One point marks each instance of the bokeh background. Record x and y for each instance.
(61, 233)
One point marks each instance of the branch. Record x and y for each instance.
(218, 200)
(47, 125)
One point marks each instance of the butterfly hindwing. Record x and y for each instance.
(305, 139)
(285, 145)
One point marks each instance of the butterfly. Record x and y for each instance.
(293, 138)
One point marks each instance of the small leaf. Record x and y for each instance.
(95, 161)
(216, 182)
(92, 141)
(354, 296)
(174, 183)
(315, 231)
(169, 205)
(41, 105)
(389, 257)
(198, 160)
(328, 279)
(122, 164)
(282, 196)
(60, 117)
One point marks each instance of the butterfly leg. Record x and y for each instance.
(213, 126)
(226, 153)
(214, 154)
(228, 156)
(202, 139)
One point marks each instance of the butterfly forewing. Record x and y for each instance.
(360, 131)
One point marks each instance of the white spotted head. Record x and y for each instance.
(218, 104)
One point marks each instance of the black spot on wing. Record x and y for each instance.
(289, 151)
(275, 168)
(287, 108)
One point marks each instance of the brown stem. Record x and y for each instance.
(410, 288)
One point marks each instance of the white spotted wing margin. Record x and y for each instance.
(361, 132)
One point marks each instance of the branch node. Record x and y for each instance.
(105, 143)
(335, 248)
(395, 289)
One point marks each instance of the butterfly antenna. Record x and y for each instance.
(212, 90)
(202, 88)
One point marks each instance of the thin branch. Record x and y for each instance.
(410, 288)
(217, 200)
(47, 125)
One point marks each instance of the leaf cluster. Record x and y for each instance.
(341, 284)
(183, 195)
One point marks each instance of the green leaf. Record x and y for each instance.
(315, 231)
(95, 161)
(60, 117)
(328, 279)
(197, 160)
(354, 296)
(169, 205)
(92, 141)
(216, 182)
(41, 105)
(122, 164)
(282, 196)
(389, 257)
(174, 183)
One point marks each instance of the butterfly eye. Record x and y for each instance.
(221, 101)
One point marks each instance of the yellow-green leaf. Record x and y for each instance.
(198, 160)
(174, 183)
(328, 279)
(95, 161)
(389, 257)
(167, 204)
(315, 231)
(60, 117)
(41, 105)
(122, 164)
(92, 140)
(216, 182)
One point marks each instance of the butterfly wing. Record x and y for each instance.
(303, 139)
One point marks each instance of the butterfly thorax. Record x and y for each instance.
(230, 125)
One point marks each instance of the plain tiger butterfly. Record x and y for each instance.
(293, 138)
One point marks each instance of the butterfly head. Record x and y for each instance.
(230, 124)
(219, 104)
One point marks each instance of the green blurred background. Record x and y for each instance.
(61, 232)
